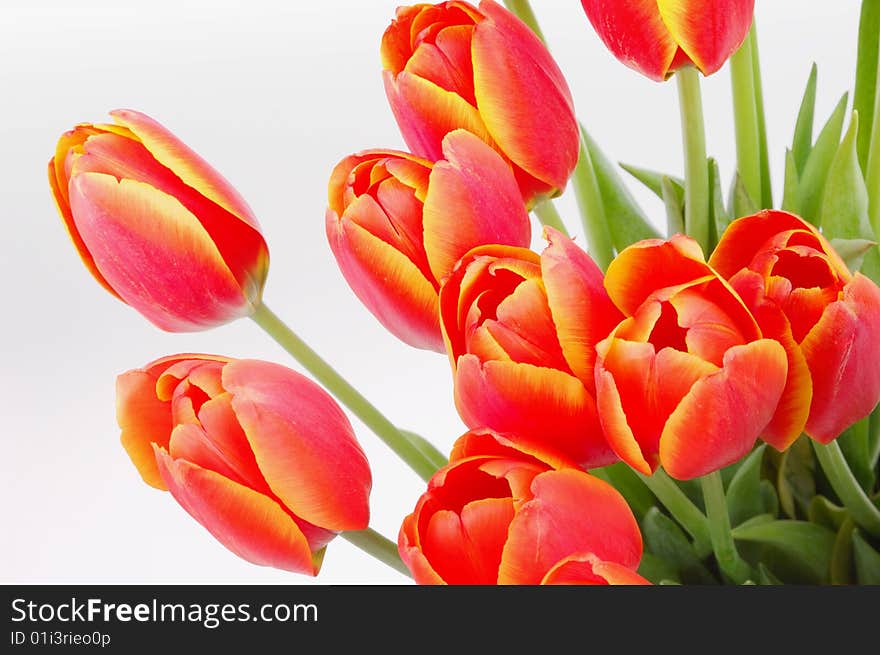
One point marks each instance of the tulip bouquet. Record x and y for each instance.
(694, 407)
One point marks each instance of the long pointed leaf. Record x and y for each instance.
(866, 73)
(803, 130)
(812, 180)
(805, 547)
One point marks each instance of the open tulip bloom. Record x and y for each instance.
(696, 408)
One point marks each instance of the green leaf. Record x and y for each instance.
(629, 223)
(624, 479)
(874, 437)
(866, 73)
(426, 448)
(803, 548)
(803, 131)
(769, 498)
(719, 217)
(790, 193)
(667, 541)
(744, 492)
(812, 178)
(852, 251)
(674, 207)
(844, 212)
(741, 203)
(795, 482)
(655, 569)
(765, 577)
(653, 180)
(867, 560)
(842, 554)
(823, 512)
(766, 183)
(855, 446)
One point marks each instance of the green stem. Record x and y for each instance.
(681, 508)
(592, 209)
(382, 548)
(847, 488)
(548, 215)
(872, 171)
(766, 182)
(696, 170)
(866, 75)
(524, 11)
(344, 392)
(729, 561)
(745, 118)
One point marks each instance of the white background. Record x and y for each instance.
(273, 94)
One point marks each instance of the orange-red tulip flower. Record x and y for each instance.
(452, 65)
(828, 319)
(156, 225)
(258, 454)
(687, 380)
(397, 225)
(520, 330)
(506, 518)
(657, 37)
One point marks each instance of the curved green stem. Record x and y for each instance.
(382, 548)
(729, 561)
(344, 392)
(548, 215)
(845, 485)
(745, 117)
(682, 509)
(696, 169)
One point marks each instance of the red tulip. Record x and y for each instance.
(397, 225)
(520, 330)
(452, 65)
(258, 454)
(657, 37)
(828, 319)
(156, 225)
(506, 518)
(687, 380)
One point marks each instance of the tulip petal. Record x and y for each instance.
(195, 172)
(586, 568)
(543, 533)
(545, 410)
(842, 352)
(306, 449)
(410, 552)
(718, 421)
(708, 32)
(387, 283)
(137, 233)
(144, 420)
(523, 98)
(634, 31)
(582, 311)
(425, 113)
(472, 200)
(248, 523)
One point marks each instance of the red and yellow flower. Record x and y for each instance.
(827, 318)
(687, 380)
(258, 454)
(452, 65)
(156, 225)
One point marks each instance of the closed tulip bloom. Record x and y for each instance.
(520, 331)
(687, 380)
(502, 517)
(156, 225)
(453, 65)
(657, 37)
(828, 319)
(258, 454)
(397, 224)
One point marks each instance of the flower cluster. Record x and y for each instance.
(575, 383)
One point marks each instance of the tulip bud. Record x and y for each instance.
(452, 65)
(520, 330)
(687, 380)
(828, 320)
(502, 517)
(156, 225)
(397, 224)
(258, 454)
(657, 38)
